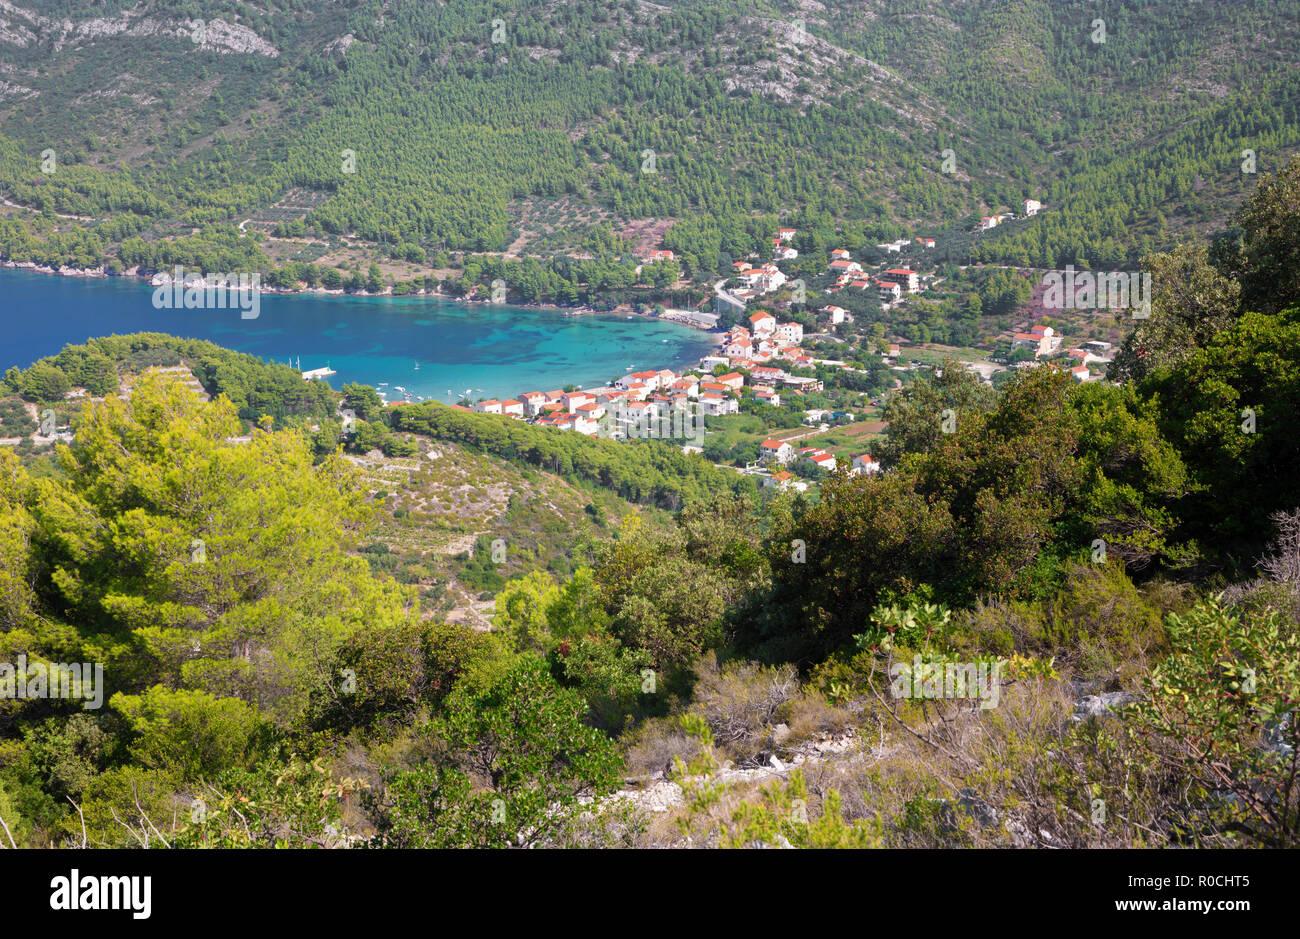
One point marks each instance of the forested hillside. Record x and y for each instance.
(467, 125)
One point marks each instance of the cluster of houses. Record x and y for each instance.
(757, 280)
(890, 284)
(1031, 208)
(782, 250)
(781, 453)
(658, 393)
(1093, 351)
(1044, 342)
(764, 341)
(650, 394)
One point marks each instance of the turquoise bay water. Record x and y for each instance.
(433, 348)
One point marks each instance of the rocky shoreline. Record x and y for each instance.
(146, 274)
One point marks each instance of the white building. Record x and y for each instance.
(790, 332)
(864, 463)
(908, 278)
(714, 404)
(777, 450)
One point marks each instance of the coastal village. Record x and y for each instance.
(752, 359)
(763, 359)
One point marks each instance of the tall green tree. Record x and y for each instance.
(515, 761)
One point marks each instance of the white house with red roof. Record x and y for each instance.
(491, 406)
(889, 290)
(733, 380)
(785, 234)
(650, 378)
(687, 385)
(763, 279)
(818, 457)
(660, 255)
(777, 450)
(572, 399)
(762, 323)
(1086, 355)
(715, 404)
(636, 380)
(1042, 339)
(512, 407)
(864, 463)
(845, 266)
(739, 347)
(910, 279)
(783, 480)
(558, 421)
(790, 332)
(533, 401)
